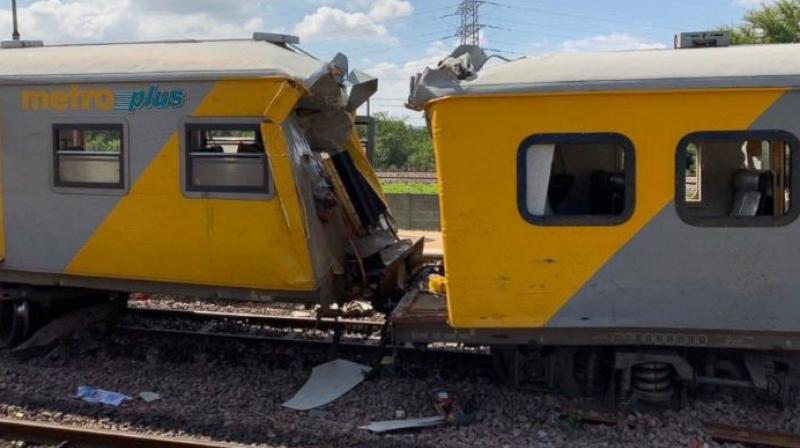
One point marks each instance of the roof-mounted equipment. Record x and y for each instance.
(274, 38)
(21, 43)
(703, 39)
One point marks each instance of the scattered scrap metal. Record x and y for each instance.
(591, 416)
(328, 382)
(333, 379)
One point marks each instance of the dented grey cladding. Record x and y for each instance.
(45, 227)
(674, 275)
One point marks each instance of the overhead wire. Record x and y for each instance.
(586, 16)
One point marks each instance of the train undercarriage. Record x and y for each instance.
(625, 366)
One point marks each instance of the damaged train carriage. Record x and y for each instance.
(593, 203)
(211, 168)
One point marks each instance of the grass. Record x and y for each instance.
(409, 188)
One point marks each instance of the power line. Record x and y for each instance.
(584, 16)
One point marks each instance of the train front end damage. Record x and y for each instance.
(346, 195)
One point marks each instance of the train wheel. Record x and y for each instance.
(15, 322)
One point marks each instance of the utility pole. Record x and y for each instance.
(470, 30)
(15, 33)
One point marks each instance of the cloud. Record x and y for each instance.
(390, 9)
(752, 3)
(334, 23)
(362, 22)
(394, 81)
(58, 21)
(609, 42)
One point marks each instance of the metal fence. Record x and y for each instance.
(424, 177)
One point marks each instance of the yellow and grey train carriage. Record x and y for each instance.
(624, 199)
(213, 168)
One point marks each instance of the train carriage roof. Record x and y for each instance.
(723, 67)
(157, 60)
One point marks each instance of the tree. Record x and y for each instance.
(398, 145)
(769, 24)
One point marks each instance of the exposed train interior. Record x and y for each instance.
(576, 179)
(735, 177)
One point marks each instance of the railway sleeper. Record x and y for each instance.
(642, 376)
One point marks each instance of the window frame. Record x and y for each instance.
(629, 156)
(683, 207)
(75, 186)
(229, 192)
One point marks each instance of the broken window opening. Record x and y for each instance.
(736, 178)
(577, 179)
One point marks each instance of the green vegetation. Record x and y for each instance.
(769, 24)
(410, 188)
(398, 145)
(103, 140)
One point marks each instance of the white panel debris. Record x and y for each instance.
(409, 423)
(328, 382)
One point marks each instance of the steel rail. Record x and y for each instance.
(38, 432)
(749, 436)
(245, 338)
(324, 323)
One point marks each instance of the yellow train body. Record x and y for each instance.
(503, 272)
(155, 228)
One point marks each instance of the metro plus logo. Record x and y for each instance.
(76, 98)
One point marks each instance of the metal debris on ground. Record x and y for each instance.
(591, 416)
(92, 395)
(748, 436)
(328, 382)
(409, 423)
(148, 397)
(448, 406)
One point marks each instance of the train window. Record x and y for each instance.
(576, 179)
(226, 158)
(737, 178)
(88, 155)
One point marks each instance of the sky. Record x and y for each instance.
(390, 39)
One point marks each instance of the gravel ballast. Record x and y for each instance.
(233, 392)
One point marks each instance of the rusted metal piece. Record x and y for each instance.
(591, 416)
(81, 437)
(748, 436)
(325, 323)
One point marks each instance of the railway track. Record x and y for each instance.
(716, 431)
(370, 330)
(323, 323)
(750, 437)
(70, 436)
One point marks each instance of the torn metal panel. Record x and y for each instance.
(463, 64)
(409, 423)
(328, 382)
